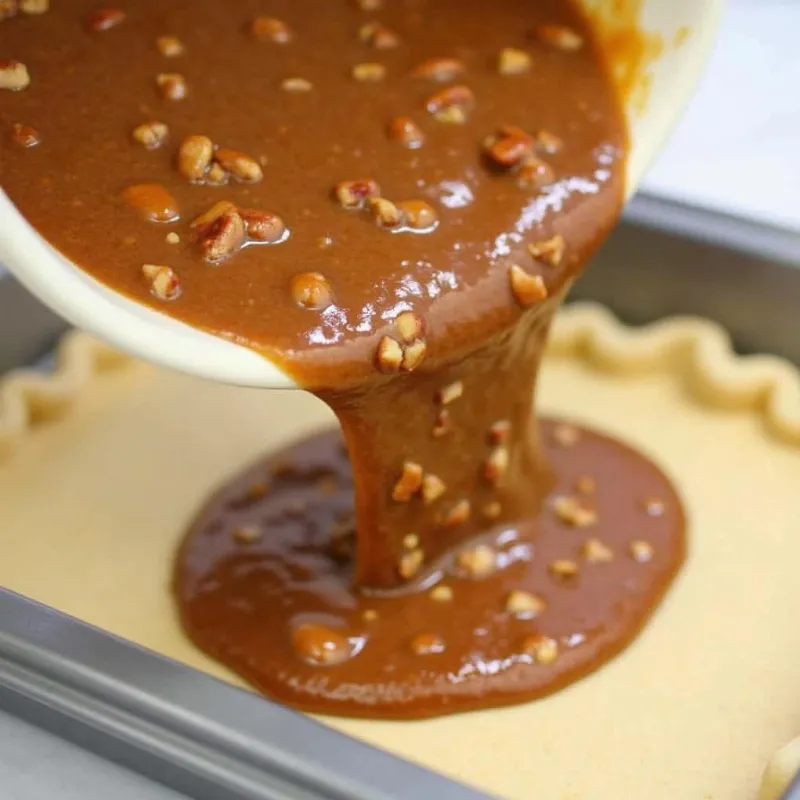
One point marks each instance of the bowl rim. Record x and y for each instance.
(152, 335)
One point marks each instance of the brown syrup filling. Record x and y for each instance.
(265, 583)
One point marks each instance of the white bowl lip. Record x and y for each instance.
(149, 334)
(691, 67)
(125, 323)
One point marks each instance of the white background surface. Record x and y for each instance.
(737, 150)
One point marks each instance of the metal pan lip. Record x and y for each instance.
(705, 224)
(184, 728)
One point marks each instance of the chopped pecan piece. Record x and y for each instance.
(14, 75)
(407, 132)
(524, 604)
(247, 534)
(164, 283)
(296, 85)
(241, 166)
(426, 644)
(595, 552)
(221, 236)
(549, 251)
(207, 217)
(499, 432)
(152, 201)
(413, 354)
(263, 226)
(509, 147)
(496, 465)
(458, 514)
(151, 134)
(441, 594)
(170, 46)
(409, 482)
(535, 173)
(369, 72)
(443, 424)
(513, 61)
(353, 194)
(389, 355)
(559, 37)
(216, 175)
(442, 70)
(33, 6)
(25, 135)
(527, 289)
(419, 215)
(320, 645)
(311, 290)
(194, 157)
(563, 568)
(542, 649)
(410, 563)
(452, 105)
(104, 18)
(271, 29)
(492, 510)
(411, 541)
(172, 85)
(548, 143)
(449, 393)
(410, 326)
(478, 562)
(385, 213)
(641, 551)
(378, 36)
(433, 487)
(571, 511)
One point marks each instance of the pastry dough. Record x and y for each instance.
(106, 462)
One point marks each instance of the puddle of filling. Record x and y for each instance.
(264, 582)
(389, 199)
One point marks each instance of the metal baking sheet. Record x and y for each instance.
(212, 741)
(668, 259)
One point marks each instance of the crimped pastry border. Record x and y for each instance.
(695, 350)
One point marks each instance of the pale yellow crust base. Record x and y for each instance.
(104, 465)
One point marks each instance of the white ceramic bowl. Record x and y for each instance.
(148, 334)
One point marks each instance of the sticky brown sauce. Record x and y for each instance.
(265, 584)
(389, 200)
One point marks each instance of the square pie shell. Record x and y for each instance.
(103, 464)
